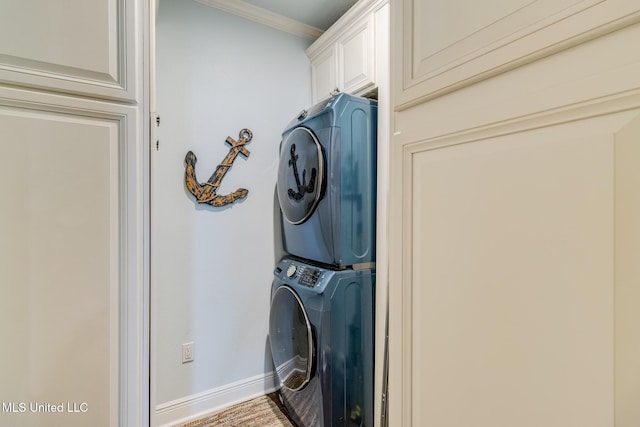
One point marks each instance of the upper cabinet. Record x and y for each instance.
(72, 46)
(447, 45)
(344, 57)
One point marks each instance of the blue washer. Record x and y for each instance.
(322, 342)
(327, 182)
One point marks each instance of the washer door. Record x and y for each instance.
(291, 339)
(300, 175)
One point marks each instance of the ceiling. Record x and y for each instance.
(316, 13)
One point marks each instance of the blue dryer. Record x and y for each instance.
(322, 343)
(327, 182)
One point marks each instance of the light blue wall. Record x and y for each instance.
(212, 267)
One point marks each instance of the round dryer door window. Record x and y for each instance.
(291, 339)
(300, 175)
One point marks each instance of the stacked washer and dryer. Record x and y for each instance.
(322, 297)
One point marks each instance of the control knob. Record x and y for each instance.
(291, 271)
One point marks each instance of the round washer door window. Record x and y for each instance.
(300, 175)
(291, 339)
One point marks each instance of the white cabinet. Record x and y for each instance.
(356, 57)
(344, 58)
(72, 180)
(323, 74)
(513, 219)
(71, 46)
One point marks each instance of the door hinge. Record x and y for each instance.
(155, 118)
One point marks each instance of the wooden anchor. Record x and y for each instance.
(206, 192)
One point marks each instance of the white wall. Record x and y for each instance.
(212, 267)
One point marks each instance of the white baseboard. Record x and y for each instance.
(197, 405)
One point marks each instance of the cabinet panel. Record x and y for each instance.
(59, 258)
(356, 58)
(70, 258)
(513, 279)
(323, 75)
(627, 275)
(76, 46)
(447, 45)
(73, 223)
(514, 226)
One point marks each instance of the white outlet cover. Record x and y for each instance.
(187, 352)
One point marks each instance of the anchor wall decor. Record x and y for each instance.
(206, 192)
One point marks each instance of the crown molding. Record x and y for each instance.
(266, 17)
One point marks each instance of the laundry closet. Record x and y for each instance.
(218, 73)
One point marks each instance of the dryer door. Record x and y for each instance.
(300, 175)
(291, 339)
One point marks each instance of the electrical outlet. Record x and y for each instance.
(187, 352)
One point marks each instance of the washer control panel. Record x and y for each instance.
(309, 277)
(294, 272)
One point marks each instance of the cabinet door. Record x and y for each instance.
(65, 257)
(72, 223)
(356, 58)
(323, 74)
(513, 224)
(446, 45)
(73, 46)
(513, 278)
